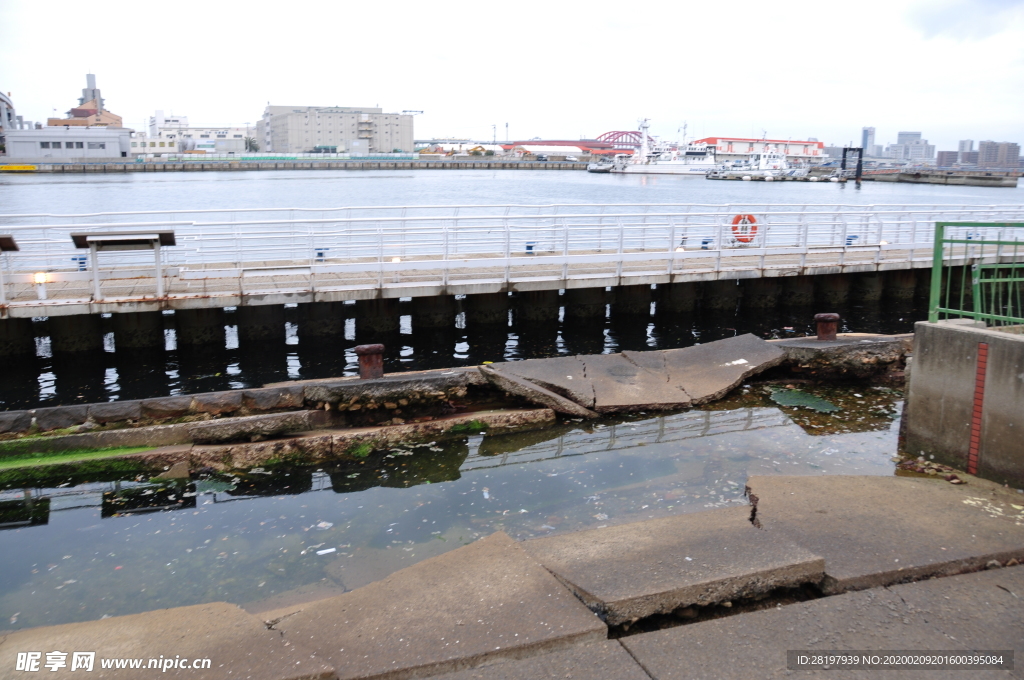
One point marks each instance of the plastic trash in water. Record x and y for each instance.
(324, 526)
(326, 551)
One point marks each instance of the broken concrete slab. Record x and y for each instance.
(305, 449)
(516, 386)
(710, 371)
(247, 427)
(217, 403)
(631, 571)
(754, 645)
(565, 376)
(851, 355)
(236, 643)
(484, 601)
(272, 398)
(622, 385)
(115, 411)
(876, 531)
(605, 659)
(433, 386)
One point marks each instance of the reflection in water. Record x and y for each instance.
(117, 547)
(109, 375)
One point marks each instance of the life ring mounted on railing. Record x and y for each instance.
(744, 228)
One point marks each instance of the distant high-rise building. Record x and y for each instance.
(876, 151)
(867, 139)
(968, 158)
(91, 92)
(907, 137)
(965, 145)
(947, 159)
(998, 154)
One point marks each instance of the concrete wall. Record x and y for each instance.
(965, 402)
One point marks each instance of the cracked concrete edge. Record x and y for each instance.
(752, 371)
(535, 393)
(884, 579)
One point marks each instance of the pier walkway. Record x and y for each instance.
(266, 257)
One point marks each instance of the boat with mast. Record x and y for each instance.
(662, 158)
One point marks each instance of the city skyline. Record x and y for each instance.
(599, 83)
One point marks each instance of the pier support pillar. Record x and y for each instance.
(16, 338)
(375, 317)
(632, 301)
(263, 323)
(76, 333)
(200, 327)
(486, 309)
(676, 298)
(900, 284)
(798, 291)
(436, 311)
(320, 320)
(867, 287)
(762, 293)
(138, 330)
(833, 289)
(721, 295)
(538, 306)
(584, 303)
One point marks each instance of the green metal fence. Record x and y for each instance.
(978, 272)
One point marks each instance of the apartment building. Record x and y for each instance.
(333, 129)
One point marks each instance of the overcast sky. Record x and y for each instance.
(952, 69)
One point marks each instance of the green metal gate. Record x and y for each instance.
(978, 272)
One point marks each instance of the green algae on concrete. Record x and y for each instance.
(34, 459)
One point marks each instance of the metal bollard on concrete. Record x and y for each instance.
(371, 361)
(828, 323)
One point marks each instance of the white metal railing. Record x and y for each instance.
(375, 246)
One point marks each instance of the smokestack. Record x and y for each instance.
(90, 81)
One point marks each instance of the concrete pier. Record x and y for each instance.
(264, 323)
(138, 330)
(199, 327)
(321, 320)
(867, 286)
(16, 338)
(676, 298)
(77, 333)
(900, 284)
(632, 301)
(585, 303)
(761, 293)
(377, 316)
(833, 289)
(797, 291)
(538, 306)
(720, 295)
(434, 312)
(487, 309)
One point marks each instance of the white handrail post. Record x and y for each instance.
(159, 269)
(95, 272)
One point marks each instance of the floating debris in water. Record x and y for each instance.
(801, 399)
(326, 551)
(324, 526)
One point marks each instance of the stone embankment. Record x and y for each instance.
(314, 421)
(831, 563)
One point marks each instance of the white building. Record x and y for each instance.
(158, 121)
(221, 140)
(333, 129)
(69, 144)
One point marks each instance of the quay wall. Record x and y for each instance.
(377, 318)
(47, 166)
(965, 402)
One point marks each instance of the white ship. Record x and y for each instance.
(663, 159)
(768, 166)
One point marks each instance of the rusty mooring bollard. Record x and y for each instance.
(371, 361)
(827, 322)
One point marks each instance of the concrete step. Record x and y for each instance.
(486, 601)
(876, 531)
(237, 644)
(980, 611)
(632, 571)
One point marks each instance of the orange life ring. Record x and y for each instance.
(744, 228)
